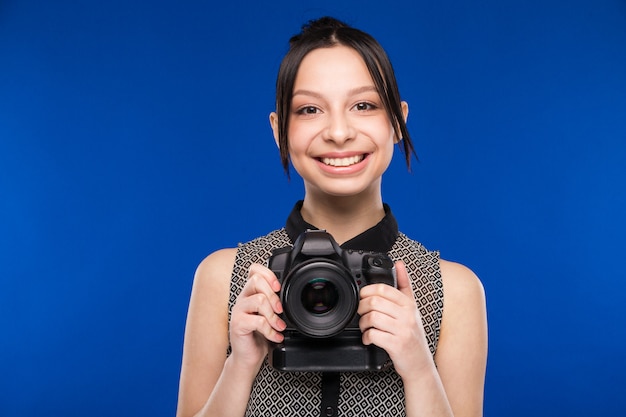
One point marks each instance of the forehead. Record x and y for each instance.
(332, 67)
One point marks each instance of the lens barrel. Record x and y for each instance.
(320, 297)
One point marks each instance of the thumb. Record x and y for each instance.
(404, 283)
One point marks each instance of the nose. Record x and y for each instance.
(340, 128)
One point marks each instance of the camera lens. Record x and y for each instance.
(319, 296)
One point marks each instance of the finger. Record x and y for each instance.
(374, 336)
(380, 304)
(263, 273)
(260, 282)
(255, 315)
(257, 304)
(378, 320)
(257, 298)
(253, 323)
(382, 291)
(404, 283)
(267, 274)
(270, 332)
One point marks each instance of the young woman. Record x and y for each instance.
(338, 116)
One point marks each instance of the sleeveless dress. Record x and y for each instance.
(288, 394)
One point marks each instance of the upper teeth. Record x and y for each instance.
(343, 162)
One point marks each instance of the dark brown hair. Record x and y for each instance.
(326, 32)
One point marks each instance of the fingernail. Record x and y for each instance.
(282, 325)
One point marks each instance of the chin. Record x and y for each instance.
(344, 190)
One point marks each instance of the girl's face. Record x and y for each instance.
(340, 137)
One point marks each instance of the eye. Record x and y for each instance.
(364, 106)
(307, 110)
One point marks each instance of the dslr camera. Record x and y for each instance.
(320, 285)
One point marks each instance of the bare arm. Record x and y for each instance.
(206, 332)
(461, 355)
(212, 384)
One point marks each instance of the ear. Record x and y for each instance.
(274, 125)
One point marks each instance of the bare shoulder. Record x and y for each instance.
(208, 305)
(215, 268)
(460, 283)
(464, 304)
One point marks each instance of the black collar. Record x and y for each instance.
(379, 238)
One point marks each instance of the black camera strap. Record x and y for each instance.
(330, 394)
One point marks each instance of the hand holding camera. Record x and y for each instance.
(255, 317)
(391, 319)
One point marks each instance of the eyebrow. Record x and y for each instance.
(353, 92)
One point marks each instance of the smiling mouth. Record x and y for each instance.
(343, 162)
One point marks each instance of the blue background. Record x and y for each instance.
(134, 140)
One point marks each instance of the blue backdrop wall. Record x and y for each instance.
(134, 141)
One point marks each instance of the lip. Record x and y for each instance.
(343, 170)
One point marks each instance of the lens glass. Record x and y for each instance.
(319, 296)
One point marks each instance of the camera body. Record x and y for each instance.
(320, 285)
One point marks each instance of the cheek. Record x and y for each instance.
(299, 137)
(387, 136)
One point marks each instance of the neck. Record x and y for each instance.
(343, 217)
